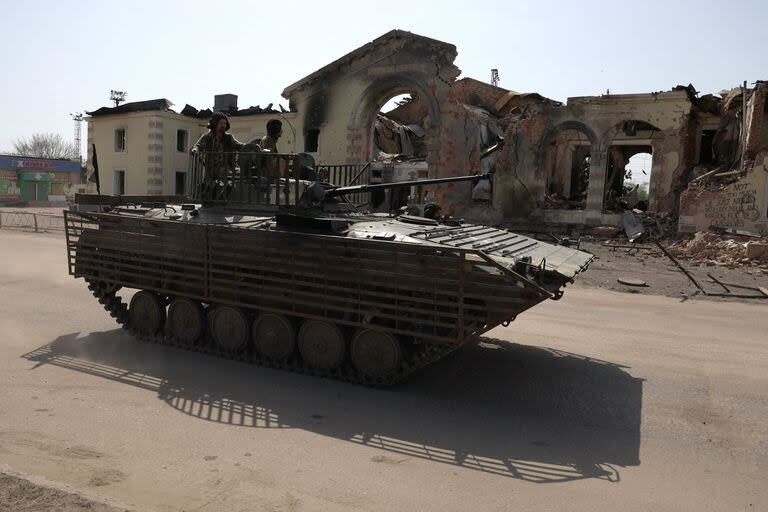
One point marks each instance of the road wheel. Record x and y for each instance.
(376, 354)
(229, 328)
(274, 336)
(321, 344)
(147, 312)
(186, 320)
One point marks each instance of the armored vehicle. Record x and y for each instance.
(269, 264)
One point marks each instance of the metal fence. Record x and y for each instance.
(31, 221)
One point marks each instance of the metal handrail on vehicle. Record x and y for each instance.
(264, 179)
(238, 178)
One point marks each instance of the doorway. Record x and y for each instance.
(29, 190)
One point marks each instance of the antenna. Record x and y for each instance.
(77, 117)
(117, 96)
(495, 77)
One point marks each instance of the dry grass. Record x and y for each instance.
(19, 495)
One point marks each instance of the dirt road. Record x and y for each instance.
(601, 401)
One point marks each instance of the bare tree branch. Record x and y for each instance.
(45, 145)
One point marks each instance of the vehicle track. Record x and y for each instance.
(415, 360)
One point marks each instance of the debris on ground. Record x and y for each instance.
(633, 226)
(762, 293)
(715, 249)
(618, 259)
(629, 247)
(605, 231)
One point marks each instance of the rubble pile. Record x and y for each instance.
(711, 248)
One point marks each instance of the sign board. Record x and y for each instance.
(23, 165)
(37, 176)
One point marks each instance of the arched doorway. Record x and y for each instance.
(566, 163)
(630, 166)
(637, 176)
(400, 128)
(394, 119)
(423, 111)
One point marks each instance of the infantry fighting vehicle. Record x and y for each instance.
(264, 265)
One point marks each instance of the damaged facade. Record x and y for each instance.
(565, 164)
(732, 192)
(554, 163)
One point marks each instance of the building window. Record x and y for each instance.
(118, 185)
(181, 183)
(120, 140)
(312, 140)
(181, 141)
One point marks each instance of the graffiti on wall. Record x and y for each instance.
(733, 207)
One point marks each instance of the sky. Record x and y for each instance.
(61, 57)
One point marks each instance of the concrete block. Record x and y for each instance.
(757, 250)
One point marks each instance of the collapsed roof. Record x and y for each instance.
(163, 105)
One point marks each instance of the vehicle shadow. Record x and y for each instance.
(530, 413)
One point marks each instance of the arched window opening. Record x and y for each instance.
(568, 166)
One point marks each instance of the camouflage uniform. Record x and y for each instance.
(272, 166)
(218, 156)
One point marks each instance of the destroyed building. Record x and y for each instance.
(565, 164)
(555, 164)
(731, 191)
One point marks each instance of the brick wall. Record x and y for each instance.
(474, 92)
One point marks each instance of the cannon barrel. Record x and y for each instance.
(354, 189)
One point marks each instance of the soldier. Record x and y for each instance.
(274, 168)
(218, 148)
(274, 131)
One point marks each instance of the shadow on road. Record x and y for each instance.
(531, 413)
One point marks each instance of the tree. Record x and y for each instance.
(46, 145)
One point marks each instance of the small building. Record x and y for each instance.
(42, 180)
(143, 147)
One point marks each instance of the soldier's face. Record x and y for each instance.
(221, 125)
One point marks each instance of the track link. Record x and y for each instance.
(419, 359)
